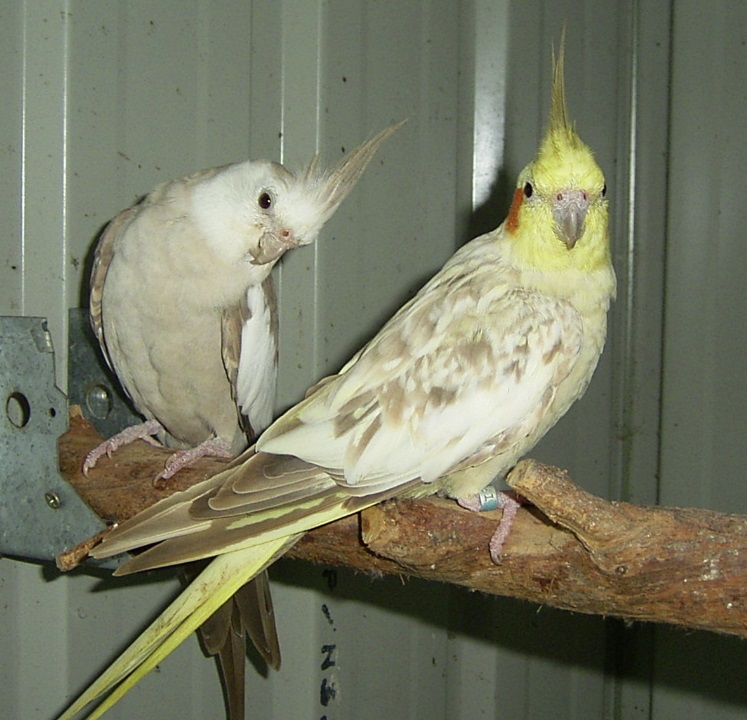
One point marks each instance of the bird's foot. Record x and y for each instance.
(144, 431)
(214, 447)
(490, 499)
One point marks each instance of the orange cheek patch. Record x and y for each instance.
(512, 221)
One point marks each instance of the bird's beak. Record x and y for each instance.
(272, 247)
(569, 212)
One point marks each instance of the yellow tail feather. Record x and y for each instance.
(216, 584)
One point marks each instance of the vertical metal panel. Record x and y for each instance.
(705, 382)
(11, 119)
(704, 421)
(299, 30)
(44, 80)
(636, 347)
(384, 62)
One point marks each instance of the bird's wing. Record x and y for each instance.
(254, 374)
(232, 322)
(466, 362)
(102, 259)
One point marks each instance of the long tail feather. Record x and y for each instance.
(213, 587)
(249, 612)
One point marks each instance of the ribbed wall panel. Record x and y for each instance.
(103, 100)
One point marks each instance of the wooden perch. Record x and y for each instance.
(581, 553)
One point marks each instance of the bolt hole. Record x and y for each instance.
(18, 410)
(52, 412)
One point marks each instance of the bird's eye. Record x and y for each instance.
(604, 190)
(264, 200)
(528, 189)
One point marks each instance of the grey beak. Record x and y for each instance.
(569, 212)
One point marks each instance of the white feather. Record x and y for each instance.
(257, 375)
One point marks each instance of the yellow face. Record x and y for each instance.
(558, 217)
(559, 210)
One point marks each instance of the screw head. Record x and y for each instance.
(53, 500)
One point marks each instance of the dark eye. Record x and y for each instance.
(528, 190)
(264, 200)
(604, 190)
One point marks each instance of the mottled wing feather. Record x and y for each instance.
(475, 387)
(274, 481)
(183, 538)
(468, 361)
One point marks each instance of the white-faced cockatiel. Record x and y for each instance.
(182, 300)
(183, 306)
(451, 392)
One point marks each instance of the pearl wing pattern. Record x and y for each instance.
(463, 373)
(472, 360)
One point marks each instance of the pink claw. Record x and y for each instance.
(214, 447)
(144, 431)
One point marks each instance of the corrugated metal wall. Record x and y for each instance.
(100, 101)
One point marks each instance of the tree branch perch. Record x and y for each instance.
(572, 550)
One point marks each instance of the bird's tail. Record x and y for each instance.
(246, 517)
(213, 587)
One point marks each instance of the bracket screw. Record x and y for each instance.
(53, 500)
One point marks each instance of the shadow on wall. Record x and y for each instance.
(701, 666)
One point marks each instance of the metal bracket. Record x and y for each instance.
(40, 513)
(91, 384)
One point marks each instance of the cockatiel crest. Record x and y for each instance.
(449, 394)
(560, 197)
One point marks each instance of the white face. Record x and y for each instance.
(256, 211)
(292, 211)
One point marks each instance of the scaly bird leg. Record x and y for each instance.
(144, 431)
(490, 499)
(213, 447)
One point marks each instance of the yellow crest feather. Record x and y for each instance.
(561, 151)
(558, 109)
